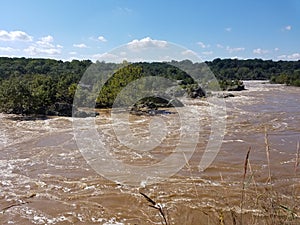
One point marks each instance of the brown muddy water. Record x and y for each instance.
(44, 179)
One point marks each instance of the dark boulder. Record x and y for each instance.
(239, 87)
(84, 114)
(60, 109)
(225, 95)
(195, 92)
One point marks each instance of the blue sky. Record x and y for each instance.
(66, 29)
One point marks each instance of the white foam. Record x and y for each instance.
(3, 140)
(113, 221)
(233, 140)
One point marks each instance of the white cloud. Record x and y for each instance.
(79, 45)
(202, 45)
(46, 42)
(260, 51)
(73, 53)
(8, 49)
(14, 36)
(237, 57)
(231, 50)
(146, 43)
(294, 56)
(44, 46)
(46, 39)
(220, 46)
(33, 50)
(207, 53)
(122, 11)
(288, 27)
(101, 38)
(282, 57)
(107, 57)
(276, 49)
(228, 29)
(188, 52)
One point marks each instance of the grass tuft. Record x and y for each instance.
(269, 180)
(244, 178)
(297, 158)
(157, 206)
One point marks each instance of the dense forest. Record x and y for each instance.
(33, 86)
(129, 73)
(41, 86)
(284, 72)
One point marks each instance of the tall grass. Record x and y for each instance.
(297, 158)
(156, 206)
(276, 208)
(261, 202)
(243, 182)
(267, 146)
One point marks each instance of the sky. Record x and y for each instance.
(87, 29)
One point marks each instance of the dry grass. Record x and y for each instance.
(275, 206)
(297, 158)
(156, 206)
(243, 183)
(269, 180)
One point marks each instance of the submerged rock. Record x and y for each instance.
(150, 108)
(195, 92)
(66, 109)
(84, 114)
(239, 87)
(60, 109)
(225, 95)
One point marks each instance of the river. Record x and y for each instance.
(44, 178)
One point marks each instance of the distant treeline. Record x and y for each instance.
(284, 72)
(35, 86)
(224, 69)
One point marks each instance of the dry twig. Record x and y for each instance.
(268, 156)
(297, 157)
(244, 178)
(156, 206)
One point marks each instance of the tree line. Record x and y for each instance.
(284, 72)
(34, 86)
